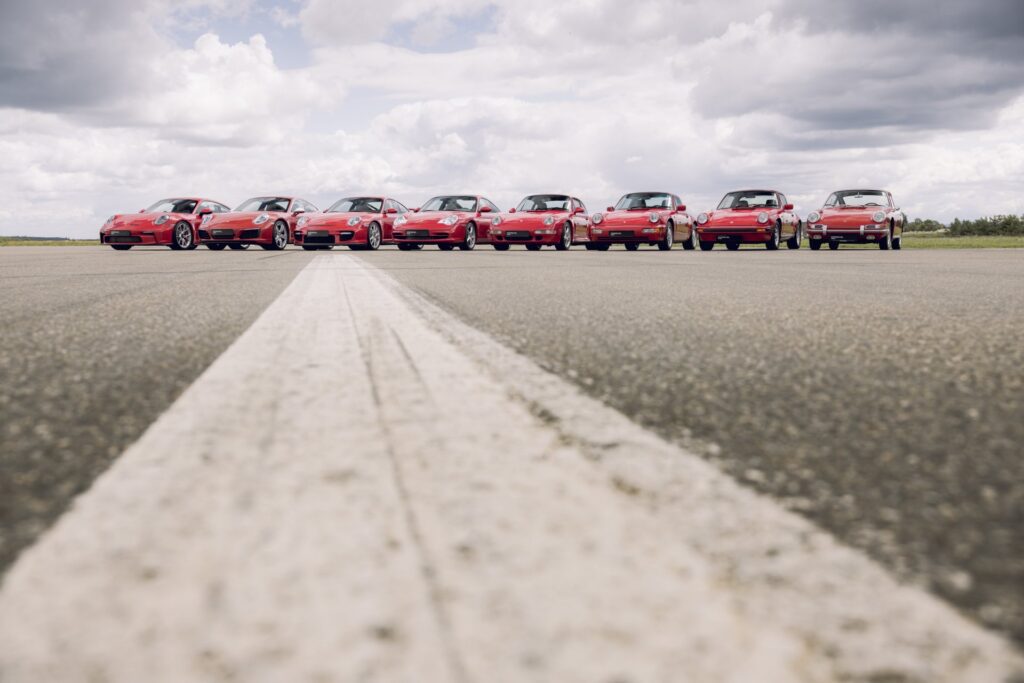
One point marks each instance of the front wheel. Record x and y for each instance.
(897, 243)
(666, 242)
(279, 236)
(732, 246)
(308, 248)
(239, 247)
(500, 247)
(183, 238)
(632, 246)
(533, 247)
(120, 247)
(566, 241)
(794, 241)
(216, 247)
(469, 243)
(446, 247)
(773, 243)
(691, 243)
(833, 245)
(707, 246)
(373, 237)
(403, 246)
(887, 242)
(815, 245)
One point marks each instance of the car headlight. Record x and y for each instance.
(813, 217)
(878, 216)
(302, 221)
(401, 220)
(654, 218)
(762, 217)
(496, 222)
(161, 219)
(261, 219)
(702, 218)
(597, 218)
(550, 220)
(449, 220)
(354, 221)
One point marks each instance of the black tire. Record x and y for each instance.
(566, 239)
(590, 246)
(267, 247)
(815, 245)
(533, 247)
(446, 247)
(604, 247)
(732, 246)
(308, 248)
(404, 246)
(238, 247)
(632, 246)
(469, 241)
(887, 242)
(833, 245)
(794, 241)
(279, 235)
(182, 237)
(773, 243)
(216, 247)
(691, 243)
(666, 242)
(706, 246)
(120, 247)
(500, 247)
(374, 237)
(897, 243)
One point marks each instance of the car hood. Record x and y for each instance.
(531, 219)
(337, 219)
(848, 217)
(143, 220)
(235, 218)
(745, 217)
(633, 218)
(433, 217)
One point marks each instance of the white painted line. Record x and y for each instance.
(364, 488)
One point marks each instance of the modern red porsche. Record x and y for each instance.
(751, 217)
(557, 220)
(654, 218)
(266, 221)
(356, 222)
(448, 221)
(174, 223)
(857, 217)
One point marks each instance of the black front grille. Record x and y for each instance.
(251, 234)
(318, 239)
(204, 235)
(622, 233)
(417, 233)
(124, 239)
(223, 234)
(347, 235)
(517, 235)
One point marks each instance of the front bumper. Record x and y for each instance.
(136, 237)
(623, 234)
(734, 233)
(329, 236)
(236, 235)
(543, 236)
(437, 234)
(862, 234)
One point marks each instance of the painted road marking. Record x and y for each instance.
(364, 488)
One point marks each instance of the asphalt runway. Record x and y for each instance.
(878, 394)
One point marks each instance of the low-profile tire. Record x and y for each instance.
(669, 239)
(706, 246)
(182, 238)
(373, 237)
(469, 241)
(833, 245)
(815, 245)
(632, 246)
(279, 236)
(120, 247)
(732, 246)
(691, 243)
(794, 241)
(446, 247)
(565, 239)
(533, 247)
(238, 247)
(500, 247)
(216, 247)
(773, 243)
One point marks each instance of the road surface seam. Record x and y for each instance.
(564, 543)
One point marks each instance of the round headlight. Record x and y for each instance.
(354, 221)
(762, 217)
(496, 222)
(597, 218)
(702, 218)
(550, 220)
(878, 216)
(813, 217)
(261, 219)
(449, 220)
(162, 219)
(654, 218)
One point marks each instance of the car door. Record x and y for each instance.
(483, 222)
(580, 221)
(388, 219)
(785, 217)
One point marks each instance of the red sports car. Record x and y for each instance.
(174, 223)
(858, 217)
(556, 220)
(266, 221)
(357, 222)
(751, 216)
(448, 221)
(643, 218)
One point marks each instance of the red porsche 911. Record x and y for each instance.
(356, 222)
(448, 221)
(174, 223)
(654, 218)
(751, 217)
(857, 217)
(266, 221)
(540, 220)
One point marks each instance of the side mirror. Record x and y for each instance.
(391, 210)
(610, 209)
(206, 212)
(298, 212)
(142, 211)
(485, 209)
(511, 210)
(681, 208)
(787, 207)
(416, 210)
(577, 211)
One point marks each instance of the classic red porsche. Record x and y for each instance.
(643, 218)
(857, 217)
(557, 220)
(174, 223)
(751, 216)
(448, 221)
(266, 221)
(356, 222)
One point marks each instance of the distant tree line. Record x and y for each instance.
(993, 225)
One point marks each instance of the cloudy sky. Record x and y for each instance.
(109, 105)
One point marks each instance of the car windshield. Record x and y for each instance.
(357, 205)
(173, 206)
(265, 204)
(644, 200)
(460, 203)
(749, 199)
(857, 198)
(544, 202)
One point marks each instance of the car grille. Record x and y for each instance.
(223, 234)
(622, 233)
(517, 235)
(318, 239)
(250, 234)
(204, 235)
(417, 233)
(123, 239)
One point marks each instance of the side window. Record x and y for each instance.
(494, 209)
(782, 200)
(577, 204)
(392, 204)
(205, 206)
(402, 208)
